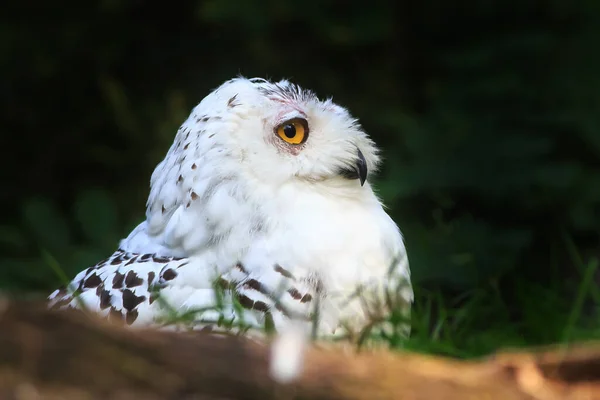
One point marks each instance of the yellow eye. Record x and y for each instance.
(294, 131)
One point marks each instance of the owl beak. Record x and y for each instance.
(358, 170)
(361, 168)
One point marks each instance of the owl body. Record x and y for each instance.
(264, 193)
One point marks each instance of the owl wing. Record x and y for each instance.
(146, 289)
(122, 287)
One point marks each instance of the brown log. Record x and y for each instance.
(68, 355)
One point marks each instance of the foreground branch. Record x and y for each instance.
(67, 355)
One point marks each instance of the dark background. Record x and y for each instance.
(488, 113)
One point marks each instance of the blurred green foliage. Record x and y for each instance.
(488, 113)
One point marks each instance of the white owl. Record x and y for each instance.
(265, 195)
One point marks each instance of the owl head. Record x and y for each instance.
(279, 132)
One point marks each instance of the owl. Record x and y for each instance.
(260, 215)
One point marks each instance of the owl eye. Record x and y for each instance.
(294, 131)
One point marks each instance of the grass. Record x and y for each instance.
(513, 313)
(482, 321)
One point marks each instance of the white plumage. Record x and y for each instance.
(263, 192)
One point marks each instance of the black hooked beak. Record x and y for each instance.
(358, 170)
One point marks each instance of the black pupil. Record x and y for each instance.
(289, 130)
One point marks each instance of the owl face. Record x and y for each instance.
(284, 133)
